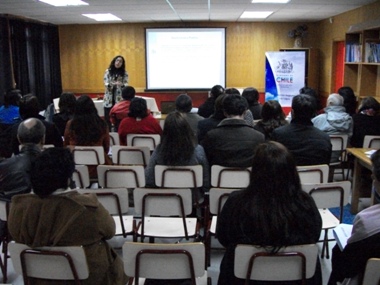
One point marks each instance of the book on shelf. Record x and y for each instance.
(342, 233)
(353, 53)
(372, 51)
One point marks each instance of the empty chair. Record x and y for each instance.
(165, 261)
(164, 213)
(81, 176)
(52, 263)
(329, 195)
(114, 138)
(88, 155)
(338, 157)
(179, 176)
(230, 177)
(149, 140)
(116, 201)
(5, 239)
(130, 155)
(313, 173)
(127, 176)
(291, 263)
(217, 198)
(371, 142)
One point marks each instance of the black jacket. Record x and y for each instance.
(15, 172)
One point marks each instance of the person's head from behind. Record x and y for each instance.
(138, 108)
(272, 110)
(313, 93)
(252, 95)
(128, 93)
(369, 106)
(216, 91)
(12, 97)
(29, 106)
(85, 106)
(31, 131)
(178, 139)
(218, 108)
(234, 105)
(183, 103)
(303, 108)
(52, 170)
(232, 91)
(349, 99)
(67, 103)
(334, 100)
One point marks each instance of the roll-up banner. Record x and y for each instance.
(284, 76)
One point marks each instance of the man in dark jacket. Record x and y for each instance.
(14, 171)
(233, 141)
(29, 108)
(309, 145)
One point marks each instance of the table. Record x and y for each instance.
(361, 160)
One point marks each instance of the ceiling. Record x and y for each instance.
(134, 11)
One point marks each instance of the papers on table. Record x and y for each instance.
(370, 152)
(341, 233)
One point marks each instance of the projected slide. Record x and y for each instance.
(185, 59)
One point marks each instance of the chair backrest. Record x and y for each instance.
(339, 142)
(114, 138)
(372, 272)
(290, 263)
(88, 155)
(55, 263)
(163, 202)
(81, 176)
(329, 195)
(4, 210)
(149, 140)
(164, 261)
(217, 198)
(371, 142)
(115, 200)
(230, 177)
(115, 176)
(313, 173)
(178, 176)
(130, 155)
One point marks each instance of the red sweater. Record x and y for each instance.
(129, 125)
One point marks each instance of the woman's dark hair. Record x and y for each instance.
(349, 99)
(252, 96)
(218, 108)
(67, 102)
(138, 108)
(272, 116)
(12, 97)
(375, 159)
(117, 71)
(178, 140)
(52, 170)
(274, 197)
(370, 103)
(29, 106)
(86, 125)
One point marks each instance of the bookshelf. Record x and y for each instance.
(311, 66)
(362, 59)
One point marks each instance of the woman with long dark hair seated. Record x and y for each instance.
(272, 212)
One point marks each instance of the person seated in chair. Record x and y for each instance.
(120, 110)
(270, 213)
(55, 215)
(364, 242)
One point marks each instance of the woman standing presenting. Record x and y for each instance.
(115, 78)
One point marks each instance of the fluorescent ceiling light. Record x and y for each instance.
(102, 17)
(255, 15)
(60, 3)
(271, 1)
